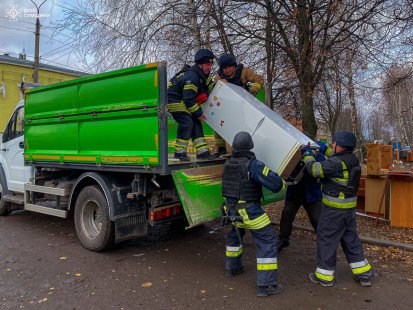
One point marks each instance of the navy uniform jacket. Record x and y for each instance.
(185, 87)
(308, 187)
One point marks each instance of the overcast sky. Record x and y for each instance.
(17, 27)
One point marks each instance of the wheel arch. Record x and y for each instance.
(92, 178)
(3, 181)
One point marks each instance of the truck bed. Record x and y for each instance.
(114, 121)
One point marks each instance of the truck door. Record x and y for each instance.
(12, 151)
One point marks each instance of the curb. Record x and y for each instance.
(366, 240)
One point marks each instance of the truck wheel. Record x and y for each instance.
(4, 206)
(93, 226)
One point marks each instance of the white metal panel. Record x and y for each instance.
(231, 109)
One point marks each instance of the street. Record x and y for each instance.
(43, 266)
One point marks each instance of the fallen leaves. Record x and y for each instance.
(147, 284)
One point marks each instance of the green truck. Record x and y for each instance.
(98, 148)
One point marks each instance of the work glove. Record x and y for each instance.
(323, 147)
(308, 154)
(201, 98)
(253, 92)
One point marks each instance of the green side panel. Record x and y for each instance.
(109, 118)
(261, 95)
(200, 193)
(173, 128)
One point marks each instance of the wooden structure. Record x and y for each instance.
(375, 186)
(401, 198)
(379, 159)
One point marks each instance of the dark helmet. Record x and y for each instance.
(226, 60)
(345, 139)
(204, 56)
(242, 142)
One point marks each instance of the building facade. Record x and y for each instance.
(14, 71)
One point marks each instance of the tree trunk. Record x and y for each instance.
(352, 100)
(307, 108)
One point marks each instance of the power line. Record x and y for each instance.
(20, 21)
(17, 29)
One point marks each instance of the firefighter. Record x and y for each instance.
(306, 193)
(242, 182)
(340, 175)
(231, 72)
(186, 91)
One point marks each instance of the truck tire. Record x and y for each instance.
(4, 206)
(93, 226)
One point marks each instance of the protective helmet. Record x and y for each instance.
(226, 60)
(345, 139)
(242, 142)
(204, 56)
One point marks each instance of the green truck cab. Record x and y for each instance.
(98, 148)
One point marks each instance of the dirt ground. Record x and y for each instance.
(43, 266)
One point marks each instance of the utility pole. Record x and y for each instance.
(36, 44)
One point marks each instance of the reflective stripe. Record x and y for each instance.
(308, 159)
(180, 151)
(193, 108)
(328, 151)
(200, 145)
(257, 223)
(265, 170)
(340, 181)
(233, 251)
(361, 269)
(234, 248)
(181, 145)
(267, 266)
(210, 83)
(200, 150)
(324, 277)
(284, 186)
(339, 203)
(359, 264)
(325, 271)
(345, 171)
(341, 195)
(182, 142)
(317, 170)
(177, 107)
(323, 274)
(267, 260)
(199, 140)
(191, 87)
(256, 85)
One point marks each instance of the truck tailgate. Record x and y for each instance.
(200, 193)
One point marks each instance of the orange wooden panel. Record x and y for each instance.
(379, 158)
(374, 191)
(401, 213)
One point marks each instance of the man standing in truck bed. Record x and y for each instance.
(186, 91)
(237, 74)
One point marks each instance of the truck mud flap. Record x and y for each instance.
(200, 193)
(130, 226)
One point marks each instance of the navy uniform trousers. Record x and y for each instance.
(339, 226)
(258, 222)
(189, 127)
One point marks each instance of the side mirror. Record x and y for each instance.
(4, 136)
